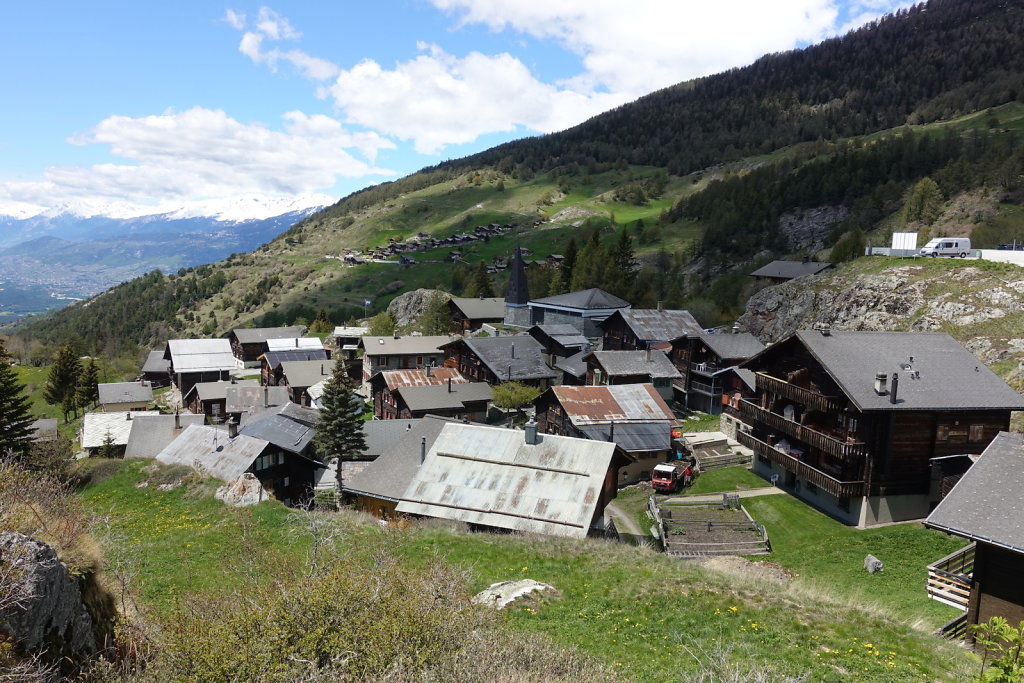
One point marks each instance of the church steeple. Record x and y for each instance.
(517, 294)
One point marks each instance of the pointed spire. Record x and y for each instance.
(517, 294)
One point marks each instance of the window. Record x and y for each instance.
(419, 360)
(977, 433)
(942, 433)
(382, 361)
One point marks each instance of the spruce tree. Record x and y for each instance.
(63, 380)
(557, 285)
(480, 285)
(339, 431)
(437, 318)
(569, 260)
(321, 323)
(15, 419)
(87, 392)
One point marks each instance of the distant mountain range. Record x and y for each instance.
(55, 257)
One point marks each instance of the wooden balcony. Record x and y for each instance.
(801, 469)
(805, 397)
(949, 579)
(811, 437)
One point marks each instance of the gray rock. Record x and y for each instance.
(807, 229)
(498, 595)
(242, 492)
(872, 564)
(49, 614)
(408, 308)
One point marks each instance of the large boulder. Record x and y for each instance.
(244, 491)
(47, 613)
(408, 308)
(499, 595)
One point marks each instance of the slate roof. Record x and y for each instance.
(623, 363)
(788, 270)
(306, 373)
(125, 392)
(409, 345)
(150, 434)
(383, 434)
(343, 331)
(491, 476)
(198, 355)
(44, 429)
(585, 405)
(275, 358)
(242, 397)
(658, 324)
(388, 476)
(213, 391)
(213, 451)
(96, 426)
(986, 505)
(564, 334)
(487, 308)
(631, 437)
(948, 376)
(733, 346)
(587, 299)
(496, 354)
(262, 334)
(155, 363)
(290, 427)
(297, 343)
(440, 398)
(574, 365)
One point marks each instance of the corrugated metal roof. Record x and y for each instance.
(198, 355)
(986, 504)
(632, 437)
(212, 451)
(441, 398)
(618, 402)
(491, 476)
(418, 377)
(624, 363)
(96, 426)
(943, 375)
(651, 324)
(150, 434)
(294, 343)
(125, 392)
(254, 335)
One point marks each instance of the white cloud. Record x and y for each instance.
(235, 19)
(203, 153)
(274, 26)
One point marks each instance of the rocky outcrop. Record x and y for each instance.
(808, 228)
(244, 491)
(49, 614)
(499, 595)
(408, 308)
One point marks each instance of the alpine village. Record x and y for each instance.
(724, 384)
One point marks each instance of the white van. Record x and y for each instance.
(947, 246)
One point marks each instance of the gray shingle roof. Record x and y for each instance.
(440, 398)
(306, 373)
(44, 429)
(214, 391)
(275, 358)
(242, 398)
(566, 335)
(491, 476)
(155, 363)
(943, 375)
(487, 308)
(213, 450)
(125, 392)
(789, 270)
(262, 334)
(290, 427)
(623, 363)
(496, 354)
(733, 346)
(986, 504)
(383, 434)
(587, 299)
(404, 346)
(150, 434)
(658, 325)
(574, 365)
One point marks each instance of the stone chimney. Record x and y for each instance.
(895, 386)
(531, 433)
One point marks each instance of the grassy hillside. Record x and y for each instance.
(642, 614)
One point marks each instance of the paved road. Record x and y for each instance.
(717, 497)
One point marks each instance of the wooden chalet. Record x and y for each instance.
(778, 272)
(198, 360)
(248, 344)
(470, 314)
(635, 329)
(210, 398)
(400, 353)
(703, 360)
(156, 370)
(632, 367)
(851, 421)
(299, 375)
(384, 385)
(271, 373)
(986, 508)
(514, 358)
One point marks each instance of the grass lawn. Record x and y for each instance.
(726, 480)
(701, 422)
(829, 556)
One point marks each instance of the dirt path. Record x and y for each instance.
(717, 497)
(629, 530)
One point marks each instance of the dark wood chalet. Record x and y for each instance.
(210, 398)
(516, 358)
(850, 421)
(637, 329)
(469, 314)
(702, 360)
(986, 508)
(248, 344)
(384, 385)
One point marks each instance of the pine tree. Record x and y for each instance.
(339, 431)
(569, 260)
(381, 325)
(87, 392)
(62, 381)
(557, 285)
(591, 266)
(620, 275)
(437, 318)
(321, 324)
(15, 419)
(480, 285)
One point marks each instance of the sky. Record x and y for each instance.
(133, 108)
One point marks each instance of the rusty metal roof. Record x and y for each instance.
(417, 377)
(586, 405)
(491, 476)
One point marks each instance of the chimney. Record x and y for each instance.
(128, 415)
(428, 372)
(423, 449)
(449, 385)
(807, 259)
(296, 342)
(611, 431)
(659, 304)
(177, 419)
(647, 354)
(322, 369)
(895, 386)
(531, 432)
(233, 380)
(513, 350)
(232, 428)
(880, 381)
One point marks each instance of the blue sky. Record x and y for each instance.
(129, 108)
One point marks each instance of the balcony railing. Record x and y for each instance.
(806, 397)
(709, 389)
(811, 437)
(801, 469)
(704, 368)
(949, 579)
